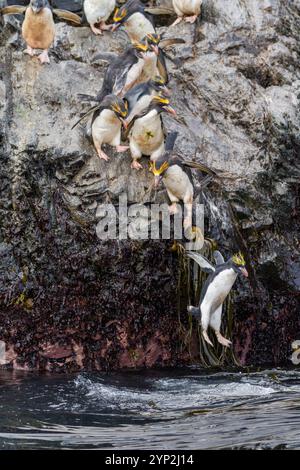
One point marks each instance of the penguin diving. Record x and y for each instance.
(215, 290)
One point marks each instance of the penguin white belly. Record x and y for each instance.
(106, 127)
(178, 184)
(137, 26)
(218, 290)
(147, 133)
(150, 69)
(187, 7)
(38, 29)
(98, 10)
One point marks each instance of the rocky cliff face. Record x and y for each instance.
(69, 301)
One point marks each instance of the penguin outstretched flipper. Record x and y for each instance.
(164, 43)
(215, 290)
(194, 311)
(90, 111)
(218, 257)
(67, 16)
(203, 262)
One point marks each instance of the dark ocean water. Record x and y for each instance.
(178, 409)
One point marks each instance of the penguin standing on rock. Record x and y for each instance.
(176, 175)
(107, 121)
(215, 290)
(189, 10)
(133, 17)
(38, 28)
(137, 19)
(146, 135)
(98, 12)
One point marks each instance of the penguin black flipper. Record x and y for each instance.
(218, 257)
(13, 10)
(107, 56)
(199, 166)
(164, 43)
(170, 141)
(67, 16)
(162, 66)
(204, 264)
(159, 11)
(90, 111)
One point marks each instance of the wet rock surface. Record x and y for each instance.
(70, 301)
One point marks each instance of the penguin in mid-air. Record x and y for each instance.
(189, 10)
(98, 12)
(215, 290)
(108, 117)
(38, 28)
(146, 135)
(176, 175)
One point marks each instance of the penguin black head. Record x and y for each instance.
(38, 5)
(123, 13)
(158, 84)
(153, 40)
(118, 106)
(159, 167)
(238, 264)
(161, 104)
(141, 48)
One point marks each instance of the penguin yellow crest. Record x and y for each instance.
(160, 99)
(160, 170)
(117, 109)
(238, 259)
(120, 13)
(140, 46)
(153, 38)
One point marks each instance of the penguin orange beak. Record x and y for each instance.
(170, 110)
(244, 272)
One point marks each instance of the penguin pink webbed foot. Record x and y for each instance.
(173, 208)
(136, 165)
(95, 30)
(178, 20)
(29, 51)
(102, 155)
(190, 19)
(122, 148)
(105, 27)
(44, 58)
(225, 342)
(206, 338)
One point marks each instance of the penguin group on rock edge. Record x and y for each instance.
(129, 107)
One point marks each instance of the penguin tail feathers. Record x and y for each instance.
(170, 140)
(194, 311)
(67, 16)
(13, 10)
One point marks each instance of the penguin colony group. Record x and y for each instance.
(129, 106)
